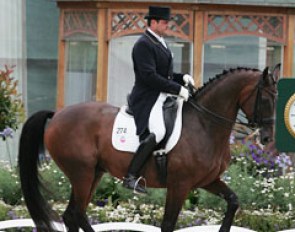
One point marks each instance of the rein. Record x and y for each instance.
(253, 123)
(203, 109)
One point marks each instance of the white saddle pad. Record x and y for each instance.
(124, 136)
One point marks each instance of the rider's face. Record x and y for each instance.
(159, 26)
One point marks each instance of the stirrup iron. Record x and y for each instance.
(136, 184)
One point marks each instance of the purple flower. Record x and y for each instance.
(252, 147)
(198, 222)
(283, 161)
(232, 139)
(12, 215)
(102, 203)
(7, 132)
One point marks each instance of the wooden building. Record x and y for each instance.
(206, 36)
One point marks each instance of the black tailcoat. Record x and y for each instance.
(153, 67)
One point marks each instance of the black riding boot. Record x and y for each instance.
(143, 152)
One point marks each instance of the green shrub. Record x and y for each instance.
(264, 221)
(111, 191)
(134, 211)
(54, 180)
(266, 197)
(256, 179)
(10, 191)
(11, 106)
(56, 183)
(4, 209)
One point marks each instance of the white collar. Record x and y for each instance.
(160, 38)
(154, 34)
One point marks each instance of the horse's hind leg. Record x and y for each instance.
(219, 188)
(75, 218)
(69, 216)
(75, 215)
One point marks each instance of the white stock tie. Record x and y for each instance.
(163, 42)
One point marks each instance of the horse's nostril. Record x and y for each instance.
(265, 140)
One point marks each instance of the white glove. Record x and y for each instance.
(184, 93)
(188, 79)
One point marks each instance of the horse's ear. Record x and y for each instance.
(276, 72)
(267, 79)
(265, 72)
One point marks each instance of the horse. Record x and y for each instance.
(78, 138)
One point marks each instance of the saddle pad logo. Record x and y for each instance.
(122, 133)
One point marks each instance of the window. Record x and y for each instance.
(80, 78)
(80, 35)
(243, 51)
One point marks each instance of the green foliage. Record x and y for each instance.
(11, 106)
(257, 180)
(263, 221)
(134, 211)
(57, 186)
(4, 209)
(54, 181)
(10, 191)
(267, 197)
(111, 191)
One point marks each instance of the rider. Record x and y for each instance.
(153, 67)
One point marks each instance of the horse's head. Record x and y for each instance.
(259, 104)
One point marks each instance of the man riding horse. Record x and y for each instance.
(153, 67)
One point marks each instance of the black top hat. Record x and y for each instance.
(158, 12)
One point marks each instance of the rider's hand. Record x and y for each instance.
(184, 93)
(188, 79)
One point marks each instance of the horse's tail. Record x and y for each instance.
(28, 160)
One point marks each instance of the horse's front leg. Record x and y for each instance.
(219, 188)
(175, 197)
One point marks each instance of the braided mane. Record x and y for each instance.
(221, 76)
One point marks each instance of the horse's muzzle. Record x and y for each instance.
(266, 136)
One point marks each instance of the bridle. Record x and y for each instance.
(257, 121)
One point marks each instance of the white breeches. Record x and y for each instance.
(156, 120)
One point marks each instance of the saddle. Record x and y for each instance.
(170, 107)
(124, 136)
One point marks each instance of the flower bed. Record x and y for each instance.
(263, 183)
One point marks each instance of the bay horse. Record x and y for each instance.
(78, 139)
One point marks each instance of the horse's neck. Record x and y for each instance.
(222, 96)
